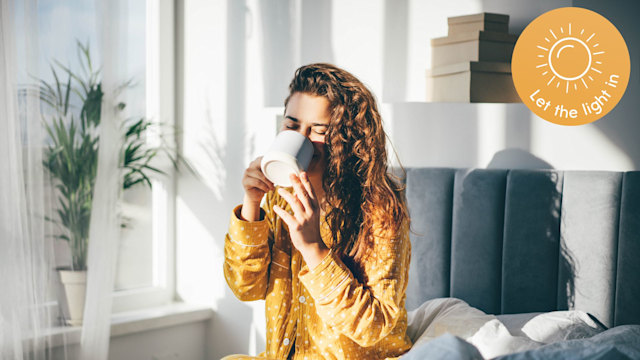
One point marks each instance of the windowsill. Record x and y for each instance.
(131, 322)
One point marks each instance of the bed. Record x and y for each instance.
(514, 245)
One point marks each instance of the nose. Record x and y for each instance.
(304, 130)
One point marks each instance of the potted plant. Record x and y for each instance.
(71, 158)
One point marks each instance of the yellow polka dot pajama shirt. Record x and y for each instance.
(330, 312)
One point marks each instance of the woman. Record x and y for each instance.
(331, 254)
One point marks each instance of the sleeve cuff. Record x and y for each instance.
(326, 277)
(248, 233)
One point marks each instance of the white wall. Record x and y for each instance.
(622, 126)
(228, 98)
(469, 135)
(212, 81)
(185, 342)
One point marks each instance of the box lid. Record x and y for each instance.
(485, 16)
(475, 66)
(475, 35)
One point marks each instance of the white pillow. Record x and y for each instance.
(496, 335)
(515, 322)
(454, 316)
(552, 326)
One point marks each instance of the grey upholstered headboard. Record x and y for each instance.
(514, 241)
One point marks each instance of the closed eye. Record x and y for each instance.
(320, 130)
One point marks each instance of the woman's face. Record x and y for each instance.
(309, 115)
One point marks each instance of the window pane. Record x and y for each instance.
(61, 25)
(135, 256)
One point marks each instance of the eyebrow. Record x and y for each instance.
(296, 120)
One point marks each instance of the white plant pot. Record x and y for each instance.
(75, 288)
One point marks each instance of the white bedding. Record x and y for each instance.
(495, 336)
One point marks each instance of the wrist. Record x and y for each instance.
(313, 254)
(250, 210)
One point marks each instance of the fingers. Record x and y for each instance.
(296, 205)
(286, 217)
(255, 172)
(302, 193)
(308, 187)
(249, 181)
(258, 174)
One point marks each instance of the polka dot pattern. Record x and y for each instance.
(330, 312)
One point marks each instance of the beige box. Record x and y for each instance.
(489, 82)
(479, 46)
(478, 22)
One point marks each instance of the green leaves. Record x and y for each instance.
(137, 156)
(71, 160)
(71, 156)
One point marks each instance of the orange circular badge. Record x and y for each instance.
(570, 66)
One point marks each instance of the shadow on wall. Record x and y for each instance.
(208, 198)
(396, 38)
(522, 12)
(284, 49)
(518, 128)
(317, 30)
(621, 125)
(211, 205)
(278, 48)
(517, 159)
(446, 137)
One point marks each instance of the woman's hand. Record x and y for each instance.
(255, 185)
(304, 224)
(254, 182)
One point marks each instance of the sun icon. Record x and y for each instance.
(569, 58)
(570, 66)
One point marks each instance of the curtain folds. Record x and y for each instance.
(28, 280)
(105, 225)
(26, 255)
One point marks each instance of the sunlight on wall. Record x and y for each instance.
(435, 134)
(223, 119)
(358, 34)
(492, 125)
(260, 120)
(199, 261)
(227, 122)
(576, 147)
(428, 20)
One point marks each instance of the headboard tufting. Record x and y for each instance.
(514, 241)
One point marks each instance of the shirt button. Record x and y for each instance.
(286, 341)
(302, 299)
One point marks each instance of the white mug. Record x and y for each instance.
(290, 153)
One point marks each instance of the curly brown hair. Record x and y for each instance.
(365, 200)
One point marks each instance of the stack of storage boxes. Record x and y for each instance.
(473, 63)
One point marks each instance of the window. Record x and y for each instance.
(145, 272)
(145, 268)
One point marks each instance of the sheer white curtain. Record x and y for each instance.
(105, 225)
(27, 275)
(25, 255)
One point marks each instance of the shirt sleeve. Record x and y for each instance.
(367, 312)
(247, 255)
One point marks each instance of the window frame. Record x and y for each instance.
(160, 107)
